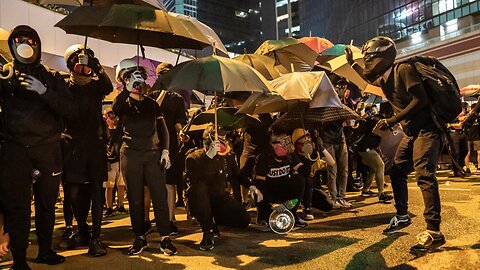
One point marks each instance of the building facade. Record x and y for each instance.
(287, 18)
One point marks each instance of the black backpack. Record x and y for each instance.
(440, 85)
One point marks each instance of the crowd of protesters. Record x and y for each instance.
(57, 131)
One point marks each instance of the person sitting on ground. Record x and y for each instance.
(207, 171)
(277, 178)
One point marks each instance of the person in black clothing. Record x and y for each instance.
(143, 155)
(85, 153)
(421, 144)
(278, 179)
(208, 170)
(4, 238)
(34, 102)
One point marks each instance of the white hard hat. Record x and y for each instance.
(127, 65)
(76, 48)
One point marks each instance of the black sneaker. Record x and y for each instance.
(122, 210)
(397, 224)
(138, 246)
(173, 229)
(167, 247)
(96, 248)
(147, 227)
(369, 193)
(300, 223)
(216, 232)
(428, 242)
(109, 212)
(18, 266)
(385, 198)
(208, 241)
(68, 233)
(307, 214)
(51, 258)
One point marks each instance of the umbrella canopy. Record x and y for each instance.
(195, 25)
(150, 3)
(305, 89)
(263, 64)
(287, 53)
(472, 90)
(133, 24)
(316, 43)
(215, 75)
(227, 119)
(4, 49)
(337, 50)
(313, 118)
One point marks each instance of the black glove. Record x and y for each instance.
(94, 64)
(349, 55)
(319, 143)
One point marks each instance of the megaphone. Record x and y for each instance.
(281, 222)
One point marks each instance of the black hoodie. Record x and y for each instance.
(29, 118)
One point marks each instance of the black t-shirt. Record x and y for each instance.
(173, 109)
(114, 144)
(398, 94)
(138, 120)
(273, 168)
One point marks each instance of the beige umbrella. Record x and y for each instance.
(4, 49)
(151, 3)
(263, 64)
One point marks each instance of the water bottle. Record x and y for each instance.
(290, 204)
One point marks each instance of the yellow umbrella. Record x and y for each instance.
(4, 49)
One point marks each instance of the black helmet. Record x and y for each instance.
(378, 44)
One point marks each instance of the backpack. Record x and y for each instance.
(440, 85)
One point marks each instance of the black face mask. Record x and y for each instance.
(376, 64)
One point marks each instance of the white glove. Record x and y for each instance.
(213, 149)
(280, 208)
(165, 159)
(255, 191)
(32, 84)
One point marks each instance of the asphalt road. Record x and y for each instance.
(343, 239)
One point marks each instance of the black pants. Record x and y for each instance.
(67, 206)
(17, 163)
(247, 163)
(421, 153)
(307, 193)
(279, 191)
(211, 208)
(139, 167)
(82, 197)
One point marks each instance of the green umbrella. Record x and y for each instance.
(335, 51)
(133, 24)
(227, 119)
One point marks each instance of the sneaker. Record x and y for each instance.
(428, 241)
(167, 247)
(344, 203)
(68, 233)
(139, 245)
(173, 229)
(337, 204)
(396, 224)
(369, 193)
(208, 241)
(109, 212)
(122, 210)
(385, 198)
(81, 240)
(51, 258)
(300, 223)
(96, 248)
(18, 266)
(216, 232)
(307, 214)
(147, 227)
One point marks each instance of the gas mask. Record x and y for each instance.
(25, 49)
(282, 145)
(135, 81)
(224, 145)
(305, 146)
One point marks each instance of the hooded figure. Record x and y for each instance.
(34, 102)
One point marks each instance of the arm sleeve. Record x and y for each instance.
(162, 132)
(414, 85)
(104, 84)
(191, 170)
(59, 97)
(120, 103)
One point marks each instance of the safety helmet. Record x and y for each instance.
(299, 133)
(378, 44)
(76, 49)
(127, 65)
(163, 67)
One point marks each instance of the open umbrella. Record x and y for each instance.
(304, 89)
(316, 43)
(337, 50)
(216, 75)
(289, 53)
(472, 90)
(4, 49)
(150, 65)
(133, 24)
(227, 119)
(263, 64)
(313, 118)
(150, 3)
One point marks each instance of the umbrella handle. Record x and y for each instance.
(216, 116)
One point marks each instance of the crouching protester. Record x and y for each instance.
(208, 170)
(278, 179)
(34, 102)
(143, 155)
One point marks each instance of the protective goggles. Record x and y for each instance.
(29, 40)
(137, 72)
(285, 141)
